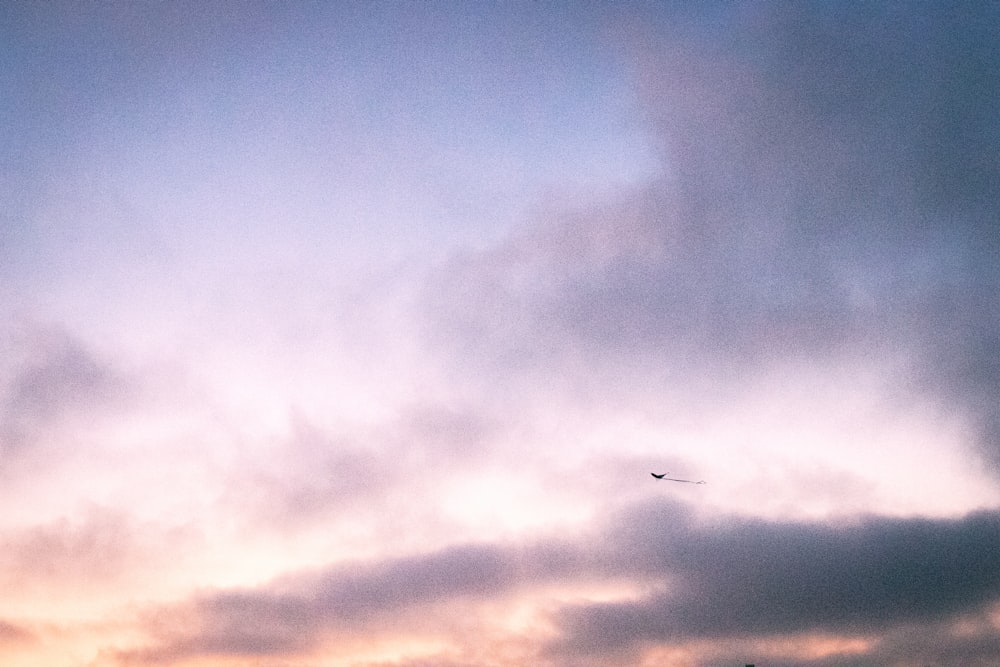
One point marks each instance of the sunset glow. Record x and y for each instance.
(348, 334)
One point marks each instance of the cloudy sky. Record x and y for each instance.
(341, 334)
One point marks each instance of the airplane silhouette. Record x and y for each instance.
(672, 479)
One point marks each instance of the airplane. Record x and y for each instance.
(672, 479)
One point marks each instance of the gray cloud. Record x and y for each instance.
(750, 578)
(318, 471)
(308, 475)
(975, 642)
(903, 98)
(297, 613)
(828, 194)
(52, 377)
(64, 552)
(731, 580)
(90, 552)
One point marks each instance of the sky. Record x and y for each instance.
(348, 334)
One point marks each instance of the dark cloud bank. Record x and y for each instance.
(830, 194)
(900, 581)
(754, 578)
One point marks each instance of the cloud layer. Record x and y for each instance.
(727, 580)
(350, 335)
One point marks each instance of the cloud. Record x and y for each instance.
(14, 634)
(973, 640)
(65, 552)
(823, 201)
(838, 170)
(727, 580)
(824, 212)
(751, 578)
(91, 557)
(53, 377)
(297, 613)
(316, 472)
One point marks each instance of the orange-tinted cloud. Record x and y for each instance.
(727, 580)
